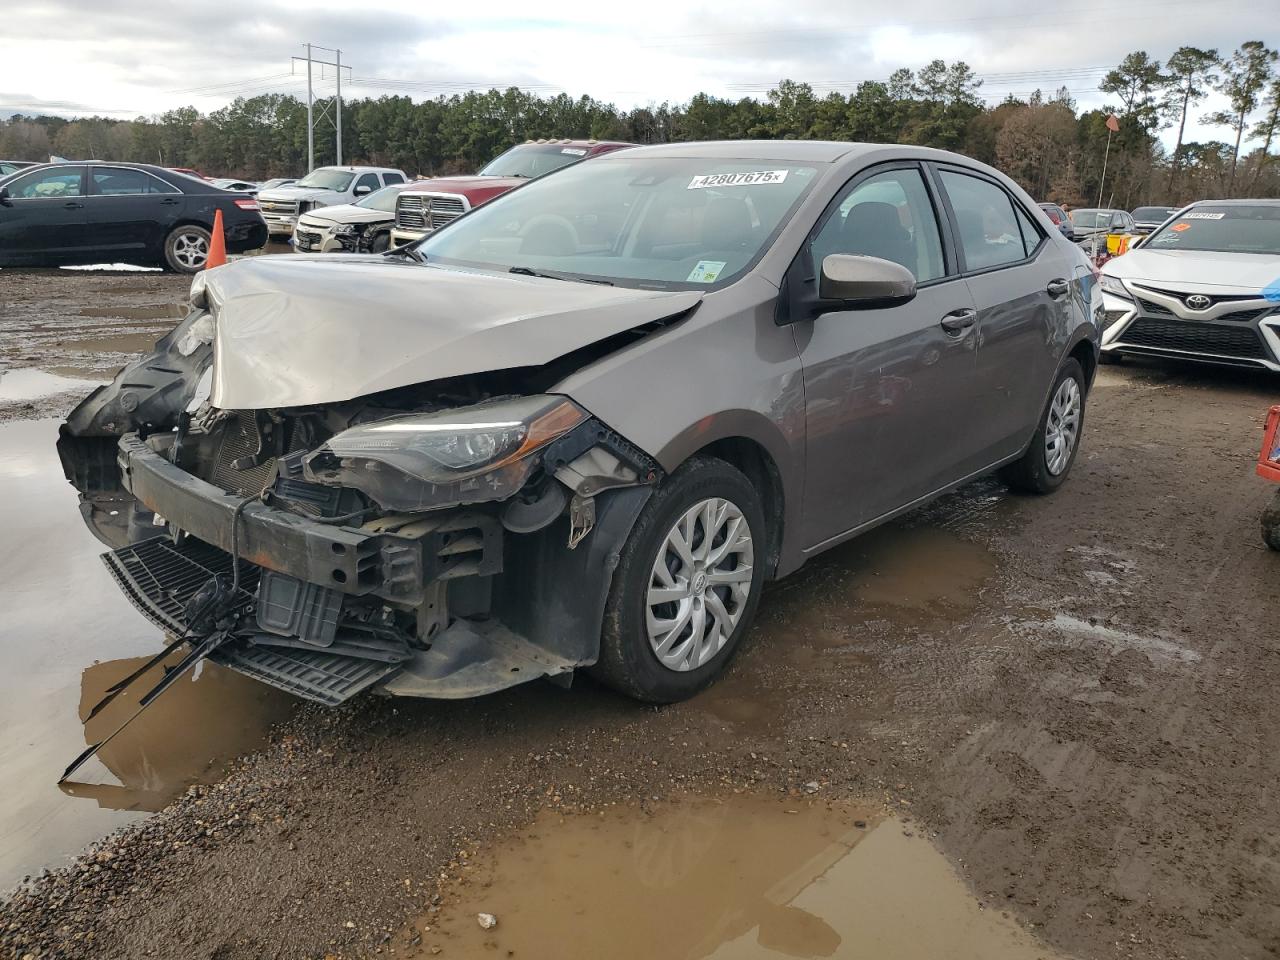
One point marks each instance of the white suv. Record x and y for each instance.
(322, 187)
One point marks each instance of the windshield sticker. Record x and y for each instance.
(1193, 215)
(1180, 227)
(1272, 291)
(1167, 238)
(574, 151)
(736, 179)
(706, 271)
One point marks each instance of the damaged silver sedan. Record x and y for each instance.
(581, 425)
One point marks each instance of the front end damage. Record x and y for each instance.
(447, 539)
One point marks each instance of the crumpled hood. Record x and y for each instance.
(345, 213)
(1192, 269)
(300, 330)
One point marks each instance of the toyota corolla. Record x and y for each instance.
(580, 426)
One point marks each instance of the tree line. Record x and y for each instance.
(1043, 141)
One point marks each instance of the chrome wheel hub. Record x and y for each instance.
(1063, 427)
(699, 585)
(190, 249)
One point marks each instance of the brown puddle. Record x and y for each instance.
(66, 633)
(163, 311)
(918, 568)
(186, 736)
(748, 878)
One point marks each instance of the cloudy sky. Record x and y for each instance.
(131, 57)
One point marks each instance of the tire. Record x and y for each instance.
(380, 243)
(1271, 523)
(629, 659)
(186, 248)
(1039, 470)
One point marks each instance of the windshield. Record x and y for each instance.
(533, 160)
(1092, 219)
(1154, 214)
(327, 179)
(384, 200)
(1229, 228)
(670, 223)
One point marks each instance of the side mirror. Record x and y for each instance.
(861, 283)
(4, 196)
(360, 191)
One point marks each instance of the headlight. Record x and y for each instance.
(1115, 286)
(348, 229)
(467, 455)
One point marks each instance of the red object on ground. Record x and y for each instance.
(1269, 456)
(217, 244)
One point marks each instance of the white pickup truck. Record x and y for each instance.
(322, 187)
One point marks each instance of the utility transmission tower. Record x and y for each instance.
(336, 103)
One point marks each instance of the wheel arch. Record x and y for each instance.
(753, 444)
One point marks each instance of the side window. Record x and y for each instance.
(369, 180)
(1031, 234)
(889, 216)
(119, 182)
(45, 184)
(989, 232)
(390, 178)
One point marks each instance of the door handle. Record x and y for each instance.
(73, 205)
(169, 200)
(958, 321)
(1058, 288)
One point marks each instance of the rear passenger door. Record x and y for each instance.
(1020, 283)
(885, 389)
(129, 211)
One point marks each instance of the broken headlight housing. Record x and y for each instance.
(465, 455)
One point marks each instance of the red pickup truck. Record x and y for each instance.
(430, 204)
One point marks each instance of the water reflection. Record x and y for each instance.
(747, 878)
(66, 632)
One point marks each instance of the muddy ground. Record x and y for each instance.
(1074, 696)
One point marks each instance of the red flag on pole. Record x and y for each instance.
(1113, 124)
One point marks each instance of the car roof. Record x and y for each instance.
(351, 169)
(1260, 201)
(809, 151)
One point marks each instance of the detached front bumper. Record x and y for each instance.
(280, 224)
(402, 235)
(301, 576)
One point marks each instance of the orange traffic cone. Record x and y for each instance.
(217, 244)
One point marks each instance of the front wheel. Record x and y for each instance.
(687, 584)
(1045, 465)
(380, 243)
(186, 248)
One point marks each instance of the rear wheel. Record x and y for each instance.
(687, 584)
(186, 249)
(1045, 465)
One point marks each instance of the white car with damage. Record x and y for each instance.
(1204, 287)
(322, 187)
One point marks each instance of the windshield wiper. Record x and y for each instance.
(526, 272)
(408, 252)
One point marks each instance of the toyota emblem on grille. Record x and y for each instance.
(1198, 301)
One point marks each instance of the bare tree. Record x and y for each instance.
(1191, 72)
(1245, 76)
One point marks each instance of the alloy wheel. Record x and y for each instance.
(700, 584)
(1063, 426)
(191, 250)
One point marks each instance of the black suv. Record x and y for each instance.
(78, 213)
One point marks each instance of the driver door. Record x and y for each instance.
(886, 390)
(43, 218)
